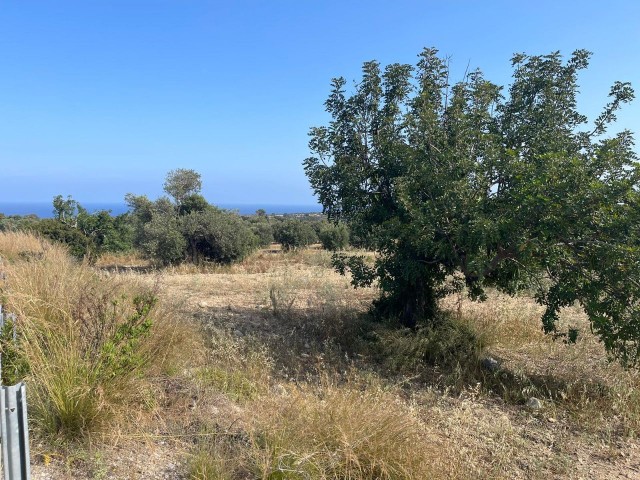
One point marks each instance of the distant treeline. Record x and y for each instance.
(179, 227)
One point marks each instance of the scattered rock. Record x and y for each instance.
(203, 304)
(534, 404)
(490, 364)
(280, 390)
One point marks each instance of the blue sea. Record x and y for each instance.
(45, 209)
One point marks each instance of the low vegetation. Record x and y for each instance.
(272, 368)
(86, 344)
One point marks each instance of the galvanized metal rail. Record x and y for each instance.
(13, 421)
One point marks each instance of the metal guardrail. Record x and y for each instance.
(13, 422)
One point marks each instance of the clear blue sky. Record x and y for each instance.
(102, 97)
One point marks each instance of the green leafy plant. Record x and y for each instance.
(510, 190)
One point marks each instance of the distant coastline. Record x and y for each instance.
(45, 209)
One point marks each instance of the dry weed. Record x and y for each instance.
(87, 341)
(343, 432)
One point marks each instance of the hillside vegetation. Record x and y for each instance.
(272, 368)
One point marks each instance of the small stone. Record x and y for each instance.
(551, 420)
(490, 364)
(534, 404)
(280, 390)
(203, 304)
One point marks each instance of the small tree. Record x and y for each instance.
(294, 233)
(334, 236)
(507, 191)
(163, 239)
(65, 210)
(217, 236)
(181, 183)
(263, 232)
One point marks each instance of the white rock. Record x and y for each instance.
(534, 404)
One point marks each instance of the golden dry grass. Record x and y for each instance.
(482, 429)
(292, 386)
(14, 245)
(85, 340)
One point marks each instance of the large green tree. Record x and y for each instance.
(475, 185)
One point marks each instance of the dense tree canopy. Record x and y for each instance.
(188, 228)
(87, 235)
(475, 185)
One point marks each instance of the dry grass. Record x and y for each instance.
(332, 432)
(85, 341)
(576, 379)
(307, 429)
(15, 245)
(122, 260)
(294, 386)
(355, 430)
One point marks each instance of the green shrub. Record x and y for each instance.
(263, 232)
(334, 236)
(294, 233)
(218, 236)
(78, 244)
(163, 240)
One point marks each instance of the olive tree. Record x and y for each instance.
(473, 185)
(188, 228)
(182, 183)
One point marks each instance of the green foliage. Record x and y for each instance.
(512, 190)
(334, 236)
(217, 235)
(65, 210)
(86, 235)
(193, 203)
(182, 183)
(294, 233)
(162, 239)
(14, 223)
(190, 229)
(119, 353)
(78, 243)
(15, 366)
(263, 232)
(105, 232)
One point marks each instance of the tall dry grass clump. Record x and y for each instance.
(85, 341)
(347, 432)
(16, 245)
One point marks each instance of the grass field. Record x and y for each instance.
(272, 369)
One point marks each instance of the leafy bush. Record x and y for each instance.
(263, 232)
(217, 235)
(294, 233)
(334, 236)
(78, 244)
(190, 228)
(163, 239)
